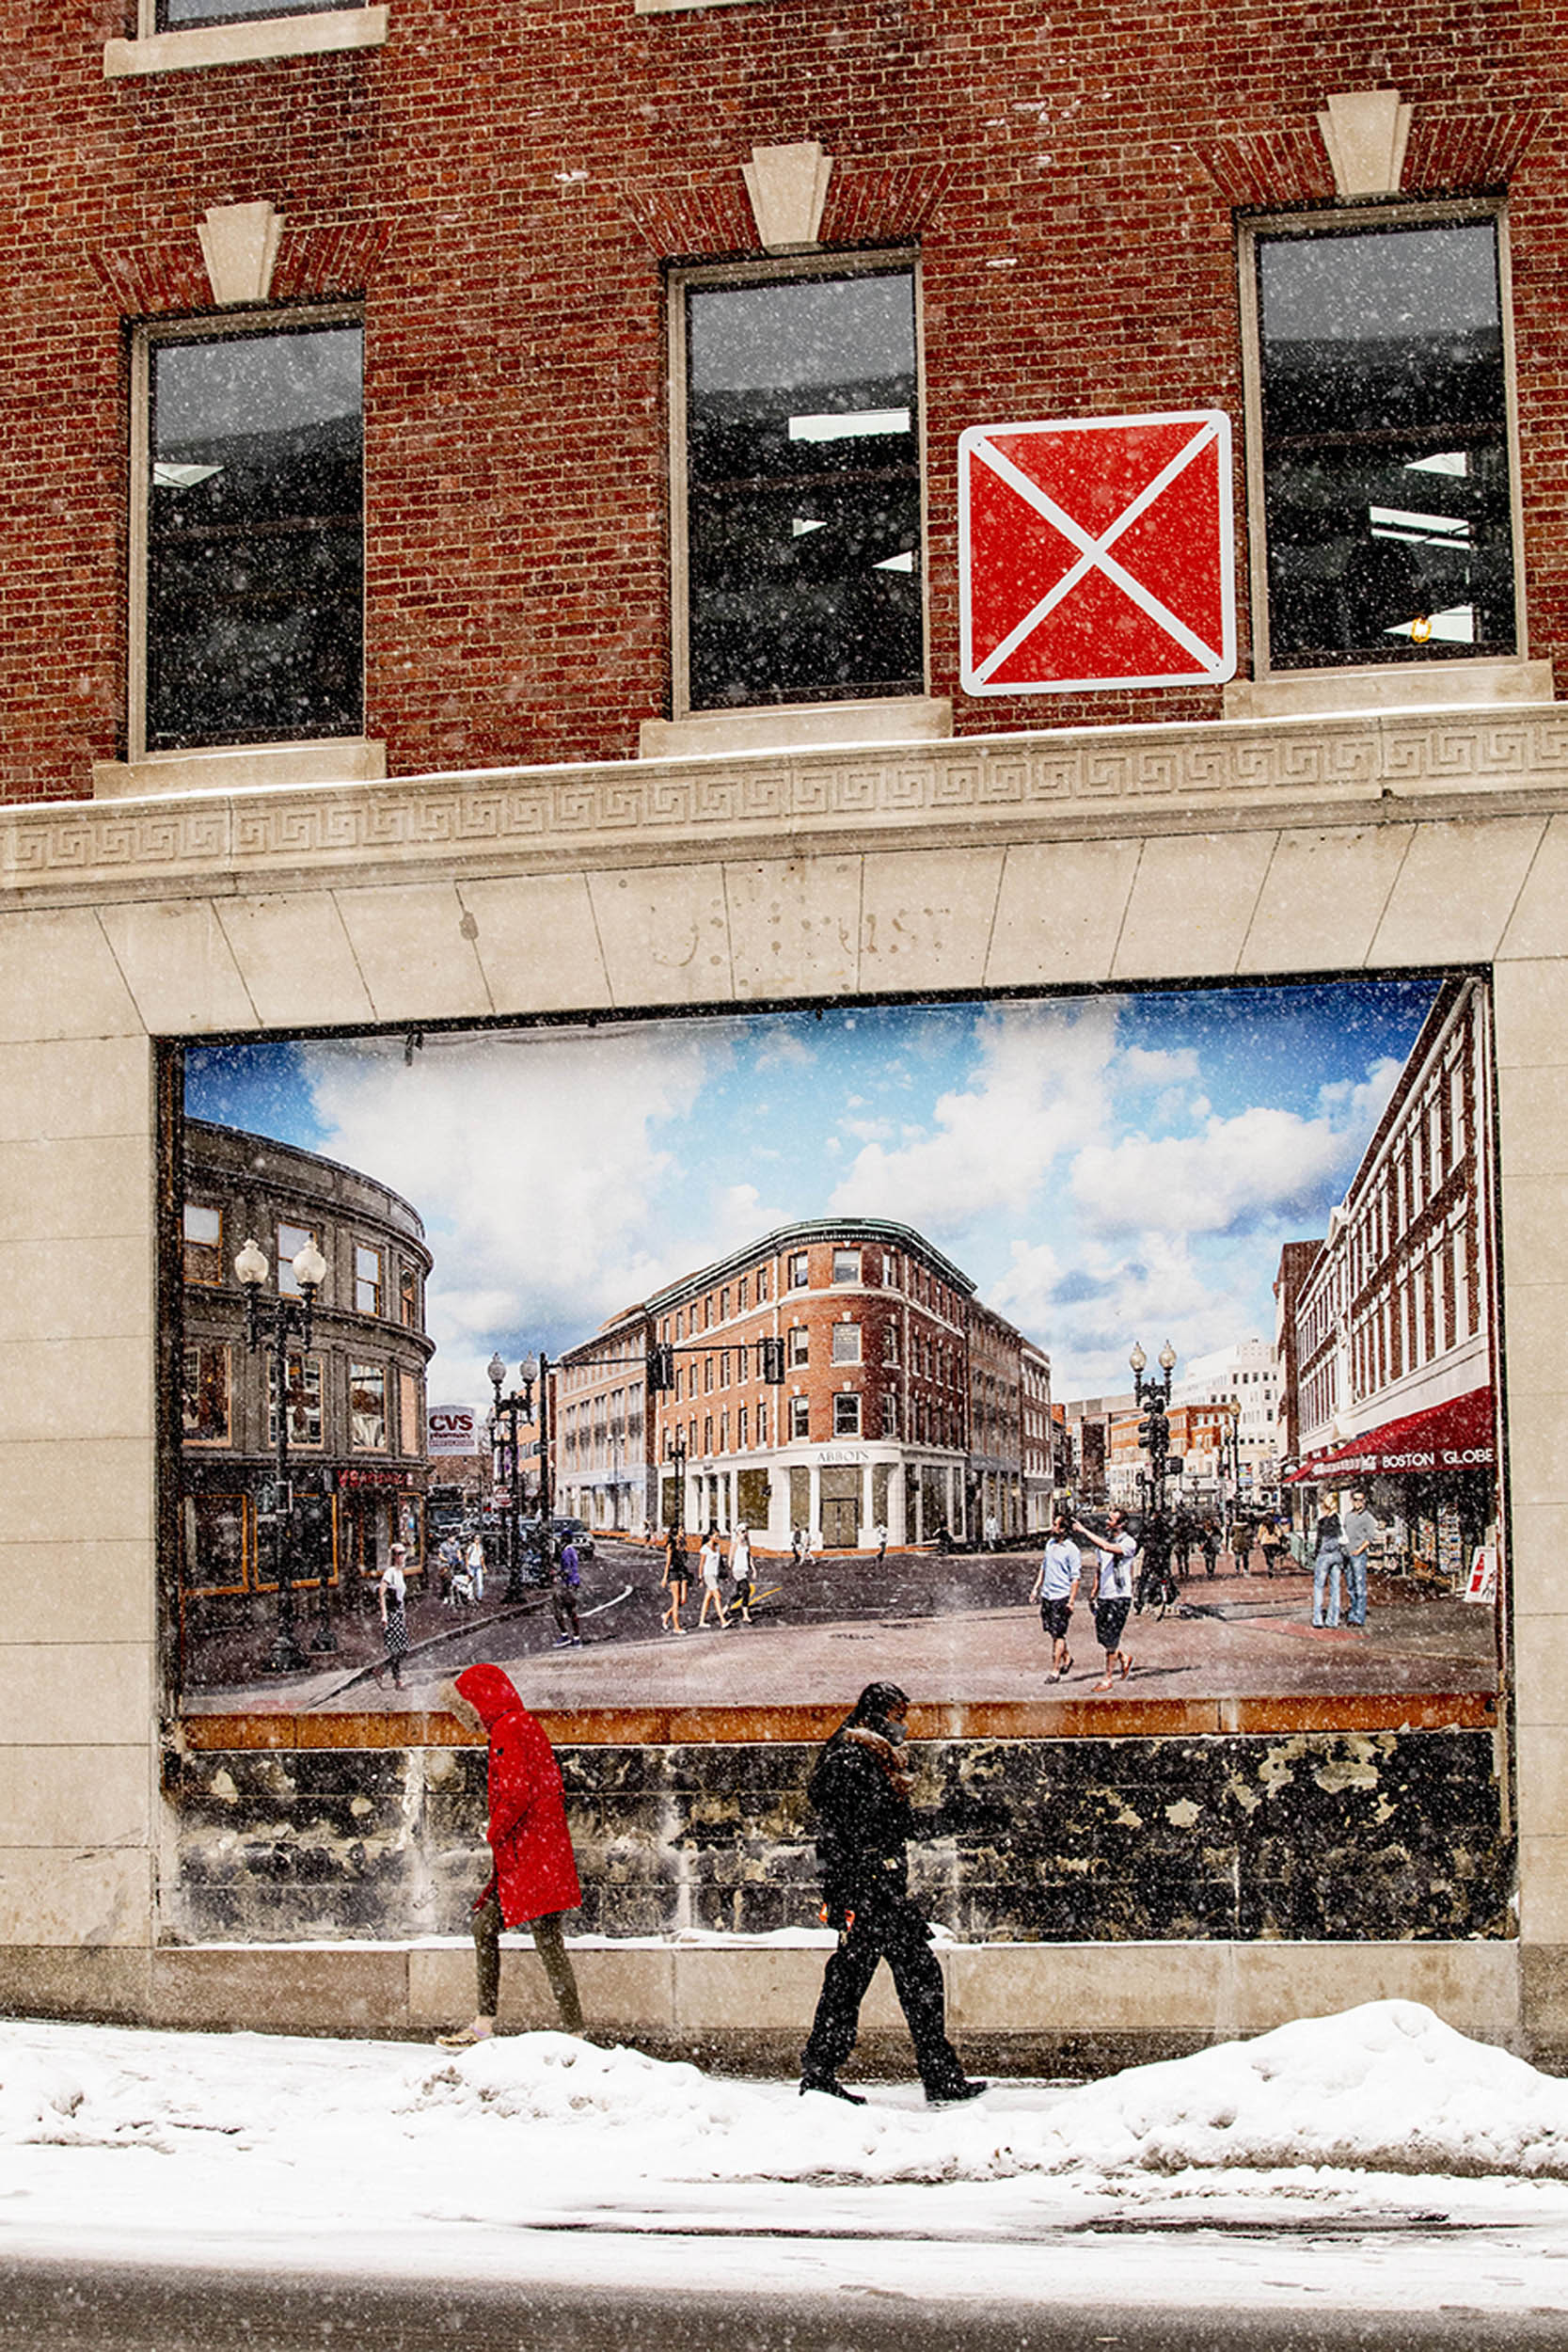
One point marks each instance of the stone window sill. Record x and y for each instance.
(1427, 686)
(345, 759)
(799, 726)
(238, 45)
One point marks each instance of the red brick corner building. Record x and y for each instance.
(905, 1404)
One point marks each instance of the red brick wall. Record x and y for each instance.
(503, 181)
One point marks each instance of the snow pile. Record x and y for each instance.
(370, 2133)
(1387, 2088)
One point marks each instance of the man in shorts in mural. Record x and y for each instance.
(1357, 1531)
(1057, 1589)
(1114, 1553)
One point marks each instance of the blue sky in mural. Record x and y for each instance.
(1105, 1168)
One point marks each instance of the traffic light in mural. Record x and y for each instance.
(773, 1362)
(662, 1371)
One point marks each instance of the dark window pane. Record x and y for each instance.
(173, 13)
(1386, 449)
(803, 490)
(255, 558)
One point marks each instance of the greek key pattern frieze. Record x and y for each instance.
(1231, 774)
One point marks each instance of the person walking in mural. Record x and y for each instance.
(741, 1568)
(879, 1537)
(1113, 1592)
(1358, 1531)
(449, 1560)
(860, 1792)
(1328, 1563)
(392, 1599)
(533, 1876)
(566, 1580)
(676, 1580)
(473, 1560)
(1057, 1589)
(711, 1562)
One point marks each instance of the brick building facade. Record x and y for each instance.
(901, 1404)
(341, 392)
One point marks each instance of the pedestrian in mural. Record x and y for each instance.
(676, 1580)
(1359, 1530)
(1209, 1543)
(565, 1579)
(392, 1599)
(798, 1545)
(1270, 1543)
(1156, 1586)
(473, 1560)
(741, 1568)
(1330, 1562)
(1057, 1589)
(711, 1563)
(1183, 1534)
(879, 1537)
(860, 1792)
(991, 1533)
(1113, 1591)
(533, 1877)
(448, 1560)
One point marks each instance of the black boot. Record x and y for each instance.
(832, 2086)
(952, 2094)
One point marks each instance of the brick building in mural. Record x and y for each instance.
(905, 1402)
(356, 1400)
(1393, 1324)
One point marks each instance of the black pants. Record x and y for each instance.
(893, 1932)
(550, 1942)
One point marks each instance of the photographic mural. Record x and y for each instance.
(1080, 1352)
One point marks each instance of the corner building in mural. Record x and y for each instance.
(485, 550)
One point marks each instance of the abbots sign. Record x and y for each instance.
(1098, 552)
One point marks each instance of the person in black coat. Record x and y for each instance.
(860, 1791)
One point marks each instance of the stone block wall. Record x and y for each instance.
(1387, 1837)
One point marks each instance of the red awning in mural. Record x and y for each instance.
(1460, 1435)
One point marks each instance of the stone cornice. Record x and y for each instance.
(1220, 777)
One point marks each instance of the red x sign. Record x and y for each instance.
(1095, 553)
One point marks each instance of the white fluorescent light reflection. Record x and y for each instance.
(850, 425)
(1451, 461)
(1456, 627)
(904, 562)
(801, 524)
(1394, 522)
(171, 477)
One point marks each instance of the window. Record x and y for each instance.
(367, 1407)
(218, 1544)
(305, 1400)
(248, 565)
(846, 1415)
(799, 1270)
(889, 1416)
(847, 1265)
(846, 1343)
(740, 1430)
(762, 1284)
(410, 1435)
(800, 1417)
(724, 1368)
(741, 1296)
(1382, 449)
(205, 1399)
(724, 1306)
(204, 1243)
(799, 1344)
(797, 472)
(292, 1239)
(408, 1298)
(172, 15)
(762, 1421)
(367, 1280)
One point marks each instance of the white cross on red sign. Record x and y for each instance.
(1097, 553)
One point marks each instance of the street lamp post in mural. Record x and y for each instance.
(290, 1316)
(674, 1454)
(1152, 1397)
(519, 1404)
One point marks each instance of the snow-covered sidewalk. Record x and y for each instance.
(1300, 2163)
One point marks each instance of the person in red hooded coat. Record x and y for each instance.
(534, 1878)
